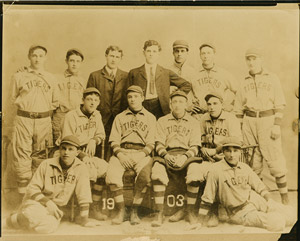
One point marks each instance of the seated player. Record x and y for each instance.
(51, 188)
(242, 193)
(132, 141)
(85, 123)
(178, 138)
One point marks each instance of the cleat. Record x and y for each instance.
(134, 218)
(96, 213)
(284, 198)
(179, 215)
(213, 221)
(119, 217)
(159, 220)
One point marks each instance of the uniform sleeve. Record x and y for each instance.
(116, 135)
(68, 125)
(82, 189)
(55, 94)
(100, 132)
(210, 192)
(238, 104)
(179, 82)
(14, 88)
(235, 127)
(160, 138)
(150, 139)
(230, 81)
(256, 184)
(279, 101)
(195, 140)
(202, 125)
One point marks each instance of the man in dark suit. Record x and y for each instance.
(156, 80)
(110, 81)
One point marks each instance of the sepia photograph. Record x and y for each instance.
(149, 123)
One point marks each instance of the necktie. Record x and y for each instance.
(152, 79)
(111, 75)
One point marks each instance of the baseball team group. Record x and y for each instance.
(162, 123)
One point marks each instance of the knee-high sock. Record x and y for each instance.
(282, 184)
(159, 194)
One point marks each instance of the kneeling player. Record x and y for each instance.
(177, 141)
(85, 123)
(132, 141)
(51, 188)
(242, 193)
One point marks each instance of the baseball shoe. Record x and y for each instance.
(134, 218)
(284, 198)
(96, 213)
(222, 214)
(192, 217)
(159, 220)
(119, 218)
(179, 215)
(213, 221)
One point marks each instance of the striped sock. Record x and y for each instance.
(138, 197)
(97, 190)
(117, 193)
(282, 184)
(192, 192)
(159, 194)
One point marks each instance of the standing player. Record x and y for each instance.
(177, 139)
(132, 141)
(86, 124)
(260, 102)
(214, 78)
(70, 88)
(34, 93)
(155, 81)
(110, 81)
(51, 188)
(241, 192)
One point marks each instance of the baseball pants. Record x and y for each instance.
(28, 139)
(115, 170)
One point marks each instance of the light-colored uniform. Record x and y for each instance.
(262, 93)
(50, 183)
(70, 89)
(35, 95)
(131, 133)
(218, 80)
(78, 124)
(236, 189)
(172, 133)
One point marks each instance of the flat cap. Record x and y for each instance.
(213, 94)
(77, 51)
(72, 140)
(232, 141)
(91, 90)
(135, 88)
(207, 45)
(178, 93)
(180, 44)
(253, 52)
(37, 46)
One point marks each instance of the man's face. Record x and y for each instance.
(207, 55)
(74, 63)
(178, 105)
(68, 153)
(151, 54)
(135, 101)
(232, 155)
(37, 58)
(214, 106)
(90, 103)
(113, 59)
(180, 55)
(254, 64)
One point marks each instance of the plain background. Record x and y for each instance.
(93, 29)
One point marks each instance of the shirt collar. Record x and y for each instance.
(109, 71)
(214, 68)
(226, 166)
(178, 66)
(129, 112)
(207, 117)
(69, 74)
(264, 72)
(79, 113)
(147, 66)
(55, 162)
(31, 70)
(185, 117)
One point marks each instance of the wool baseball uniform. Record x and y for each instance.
(35, 95)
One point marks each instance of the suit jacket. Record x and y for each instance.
(163, 79)
(112, 95)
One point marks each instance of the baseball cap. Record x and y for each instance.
(178, 93)
(232, 141)
(135, 88)
(207, 45)
(72, 140)
(36, 46)
(214, 94)
(253, 52)
(91, 90)
(180, 44)
(77, 51)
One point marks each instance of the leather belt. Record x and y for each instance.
(34, 115)
(257, 114)
(135, 146)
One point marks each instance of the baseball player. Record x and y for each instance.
(34, 93)
(51, 188)
(86, 124)
(132, 141)
(241, 192)
(259, 105)
(70, 89)
(178, 138)
(213, 78)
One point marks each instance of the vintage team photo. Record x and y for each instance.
(149, 120)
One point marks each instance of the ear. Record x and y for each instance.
(78, 151)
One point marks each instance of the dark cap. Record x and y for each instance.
(253, 52)
(135, 88)
(180, 44)
(232, 141)
(178, 93)
(91, 90)
(207, 45)
(72, 140)
(74, 51)
(213, 94)
(36, 46)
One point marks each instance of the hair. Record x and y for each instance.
(114, 48)
(149, 43)
(91, 93)
(227, 147)
(31, 49)
(74, 52)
